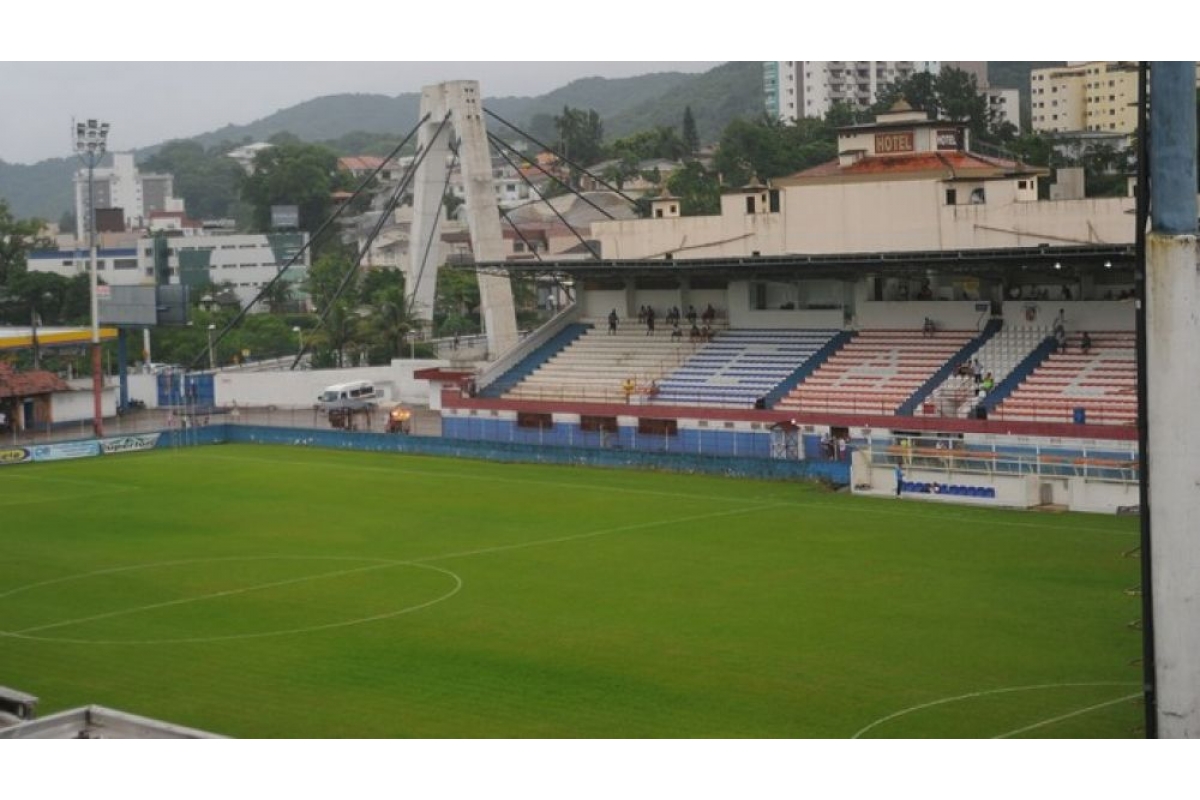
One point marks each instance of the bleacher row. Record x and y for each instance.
(875, 372)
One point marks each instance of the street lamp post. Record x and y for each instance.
(91, 139)
(296, 329)
(212, 363)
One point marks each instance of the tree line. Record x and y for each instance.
(370, 320)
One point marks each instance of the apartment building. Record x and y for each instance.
(122, 186)
(246, 261)
(1095, 96)
(797, 89)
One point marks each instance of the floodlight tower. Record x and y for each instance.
(91, 139)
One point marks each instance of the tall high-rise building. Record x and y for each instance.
(1096, 96)
(122, 186)
(797, 89)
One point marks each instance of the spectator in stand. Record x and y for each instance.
(930, 327)
(988, 383)
(1085, 344)
(613, 319)
(676, 332)
(691, 315)
(709, 315)
(641, 314)
(695, 335)
(926, 293)
(649, 321)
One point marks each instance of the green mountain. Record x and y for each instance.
(626, 105)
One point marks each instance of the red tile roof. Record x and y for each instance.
(27, 384)
(359, 163)
(947, 165)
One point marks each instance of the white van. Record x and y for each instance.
(355, 391)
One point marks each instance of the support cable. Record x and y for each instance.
(307, 245)
(500, 143)
(561, 218)
(394, 201)
(566, 160)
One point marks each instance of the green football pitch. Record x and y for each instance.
(262, 591)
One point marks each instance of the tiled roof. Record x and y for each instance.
(946, 164)
(359, 163)
(27, 384)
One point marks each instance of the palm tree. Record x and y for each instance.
(339, 333)
(389, 320)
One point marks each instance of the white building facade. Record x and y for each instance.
(246, 261)
(901, 183)
(123, 186)
(810, 88)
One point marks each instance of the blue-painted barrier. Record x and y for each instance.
(740, 467)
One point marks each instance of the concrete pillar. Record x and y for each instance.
(1172, 376)
(462, 100)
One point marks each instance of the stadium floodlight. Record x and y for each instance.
(91, 141)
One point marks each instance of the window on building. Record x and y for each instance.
(774, 201)
(978, 196)
(518, 247)
(68, 263)
(674, 208)
(749, 205)
(125, 263)
(658, 212)
(951, 197)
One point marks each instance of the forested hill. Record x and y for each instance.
(44, 189)
(354, 123)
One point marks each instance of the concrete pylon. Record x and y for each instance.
(462, 101)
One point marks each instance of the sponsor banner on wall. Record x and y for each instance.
(14, 455)
(58, 452)
(129, 444)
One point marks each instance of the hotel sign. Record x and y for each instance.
(947, 140)
(887, 143)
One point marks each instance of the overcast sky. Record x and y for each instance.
(240, 50)
(151, 102)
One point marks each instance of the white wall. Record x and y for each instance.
(1024, 491)
(1096, 315)
(598, 304)
(886, 216)
(958, 315)
(77, 405)
(299, 389)
(733, 235)
(742, 316)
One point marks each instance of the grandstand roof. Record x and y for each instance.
(1033, 262)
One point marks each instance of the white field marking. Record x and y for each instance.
(1068, 715)
(590, 534)
(458, 584)
(972, 695)
(908, 510)
(200, 598)
(73, 498)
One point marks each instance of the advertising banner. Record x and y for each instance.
(14, 455)
(58, 452)
(129, 444)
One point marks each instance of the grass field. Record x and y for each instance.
(262, 591)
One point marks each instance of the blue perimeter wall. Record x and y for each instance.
(834, 472)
